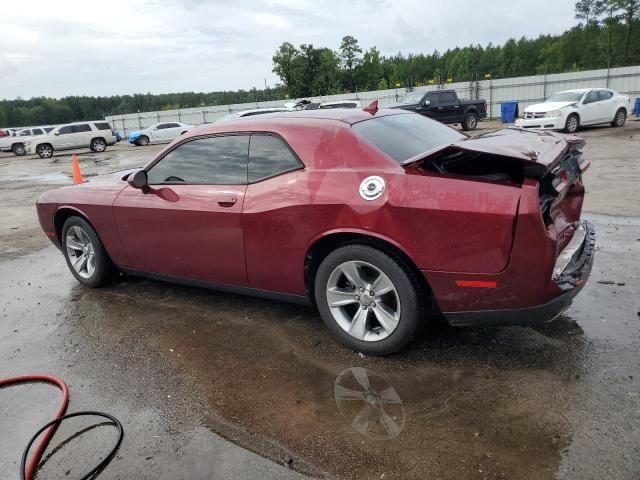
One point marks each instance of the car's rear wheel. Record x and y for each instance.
(143, 141)
(620, 118)
(18, 149)
(572, 124)
(84, 253)
(368, 299)
(45, 150)
(98, 145)
(470, 121)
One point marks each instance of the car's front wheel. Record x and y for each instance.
(98, 145)
(84, 253)
(572, 124)
(45, 150)
(620, 118)
(368, 299)
(18, 149)
(470, 121)
(143, 141)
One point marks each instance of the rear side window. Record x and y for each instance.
(210, 161)
(269, 156)
(405, 135)
(172, 125)
(83, 127)
(36, 131)
(48, 129)
(604, 94)
(447, 97)
(103, 126)
(65, 130)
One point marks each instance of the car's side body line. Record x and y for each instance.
(254, 292)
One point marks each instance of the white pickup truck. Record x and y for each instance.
(16, 145)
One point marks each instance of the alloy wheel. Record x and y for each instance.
(620, 118)
(80, 251)
(45, 151)
(572, 124)
(363, 300)
(99, 145)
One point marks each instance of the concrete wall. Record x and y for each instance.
(524, 90)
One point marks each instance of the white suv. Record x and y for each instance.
(16, 142)
(93, 135)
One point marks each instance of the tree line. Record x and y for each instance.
(607, 35)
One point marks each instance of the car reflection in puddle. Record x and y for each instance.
(369, 403)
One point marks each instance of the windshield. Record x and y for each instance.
(406, 135)
(565, 97)
(411, 98)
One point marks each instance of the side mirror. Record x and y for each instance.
(139, 180)
(57, 133)
(427, 103)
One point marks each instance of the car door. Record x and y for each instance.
(431, 106)
(173, 130)
(188, 224)
(449, 107)
(81, 137)
(156, 132)
(591, 109)
(63, 138)
(608, 105)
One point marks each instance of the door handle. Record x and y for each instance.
(226, 201)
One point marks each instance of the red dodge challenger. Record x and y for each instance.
(380, 218)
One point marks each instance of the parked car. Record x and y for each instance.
(16, 143)
(163, 132)
(249, 113)
(444, 106)
(93, 135)
(118, 135)
(572, 109)
(380, 219)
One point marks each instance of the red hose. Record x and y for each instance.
(37, 453)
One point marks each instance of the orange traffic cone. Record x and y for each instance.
(77, 175)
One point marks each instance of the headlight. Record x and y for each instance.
(553, 113)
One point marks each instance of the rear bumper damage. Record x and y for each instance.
(571, 271)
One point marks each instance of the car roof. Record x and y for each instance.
(346, 115)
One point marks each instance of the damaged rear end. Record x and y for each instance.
(553, 248)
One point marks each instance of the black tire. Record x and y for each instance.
(18, 149)
(572, 123)
(104, 268)
(409, 294)
(142, 141)
(98, 145)
(470, 121)
(619, 118)
(44, 150)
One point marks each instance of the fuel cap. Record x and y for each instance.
(372, 188)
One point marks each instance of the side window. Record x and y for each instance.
(103, 126)
(210, 161)
(65, 130)
(83, 127)
(433, 98)
(269, 156)
(172, 125)
(605, 94)
(48, 129)
(591, 97)
(161, 126)
(36, 131)
(447, 97)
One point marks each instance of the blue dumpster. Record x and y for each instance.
(508, 111)
(636, 110)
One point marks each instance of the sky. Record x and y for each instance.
(68, 47)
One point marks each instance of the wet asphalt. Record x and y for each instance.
(211, 385)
